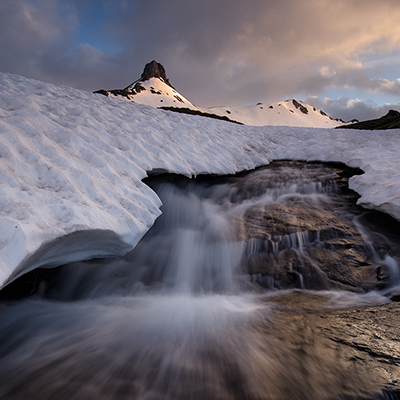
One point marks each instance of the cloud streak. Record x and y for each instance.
(349, 109)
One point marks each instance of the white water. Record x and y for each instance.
(178, 318)
(390, 262)
(198, 246)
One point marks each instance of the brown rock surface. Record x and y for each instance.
(353, 353)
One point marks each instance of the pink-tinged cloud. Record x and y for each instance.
(215, 52)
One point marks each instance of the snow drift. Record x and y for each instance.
(71, 165)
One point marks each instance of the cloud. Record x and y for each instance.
(258, 48)
(37, 40)
(347, 109)
(215, 52)
(28, 29)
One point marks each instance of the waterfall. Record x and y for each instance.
(184, 315)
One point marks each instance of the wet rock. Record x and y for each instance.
(310, 233)
(338, 353)
(394, 294)
(314, 235)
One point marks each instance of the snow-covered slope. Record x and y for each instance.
(153, 89)
(71, 164)
(156, 93)
(289, 113)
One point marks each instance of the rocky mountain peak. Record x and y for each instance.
(393, 113)
(154, 69)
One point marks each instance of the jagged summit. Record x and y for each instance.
(152, 88)
(154, 70)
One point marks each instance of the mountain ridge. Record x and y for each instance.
(153, 88)
(389, 121)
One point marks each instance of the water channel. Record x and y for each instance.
(222, 299)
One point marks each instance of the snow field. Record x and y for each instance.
(277, 113)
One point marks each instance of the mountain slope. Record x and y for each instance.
(389, 121)
(153, 89)
(289, 112)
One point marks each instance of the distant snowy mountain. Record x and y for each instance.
(289, 112)
(154, 89)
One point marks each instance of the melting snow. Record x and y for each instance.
(71, 165)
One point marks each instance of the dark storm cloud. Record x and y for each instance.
(214, 51)
(36, 40)
(245, 51)
(29, 30)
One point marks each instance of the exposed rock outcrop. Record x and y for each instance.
(360, 343)
(154, 70)
(389, 121)
(300, 106)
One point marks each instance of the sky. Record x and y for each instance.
(342, 56)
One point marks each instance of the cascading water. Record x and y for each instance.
(185, 315)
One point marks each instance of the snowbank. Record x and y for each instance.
(71, 165)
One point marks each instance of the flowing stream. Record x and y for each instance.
(193, 312)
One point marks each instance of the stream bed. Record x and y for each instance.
(270, 284)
